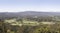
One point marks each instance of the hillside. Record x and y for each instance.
(29, 13)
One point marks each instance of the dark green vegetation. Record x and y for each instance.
(41, 28)
(33, 22)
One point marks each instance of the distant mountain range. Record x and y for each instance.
(28, 13)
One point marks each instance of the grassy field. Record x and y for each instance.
(25, 22)
(33, 26)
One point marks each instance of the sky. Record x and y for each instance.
(29, 5)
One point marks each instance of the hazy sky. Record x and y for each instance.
(29, 5)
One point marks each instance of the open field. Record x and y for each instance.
(32, 23)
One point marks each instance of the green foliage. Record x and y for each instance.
(34, 28)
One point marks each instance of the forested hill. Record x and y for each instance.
(28, 13)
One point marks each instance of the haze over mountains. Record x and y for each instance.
(29, 13)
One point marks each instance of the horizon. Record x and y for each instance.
(26, 11)
(29, 5)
